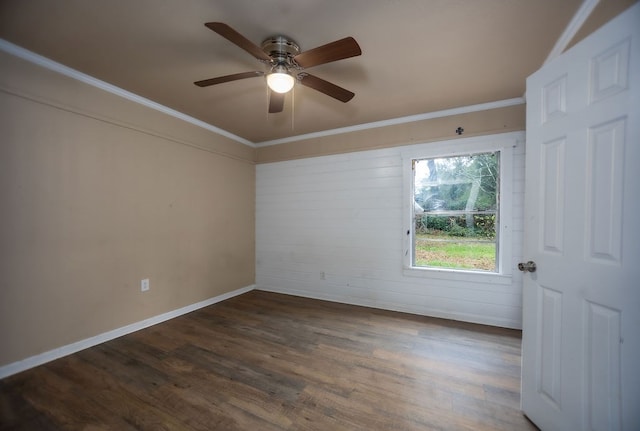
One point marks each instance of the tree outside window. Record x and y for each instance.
(456, 208)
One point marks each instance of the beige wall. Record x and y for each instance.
(500, 120)
(97, 193)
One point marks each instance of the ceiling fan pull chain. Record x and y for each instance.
(268, 92)
(293, 107)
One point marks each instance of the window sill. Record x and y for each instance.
(458, 275)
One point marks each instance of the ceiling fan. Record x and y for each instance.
(286, 64)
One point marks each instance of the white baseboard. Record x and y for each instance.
(402, 308)
(42, 358)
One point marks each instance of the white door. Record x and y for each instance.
(581, 318)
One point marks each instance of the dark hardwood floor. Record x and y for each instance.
(263, 361)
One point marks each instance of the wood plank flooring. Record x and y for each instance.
(264, 361)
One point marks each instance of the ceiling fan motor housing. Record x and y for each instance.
(282, 50)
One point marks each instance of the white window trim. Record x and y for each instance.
(505, 143)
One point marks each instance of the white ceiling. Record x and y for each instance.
(418, 56)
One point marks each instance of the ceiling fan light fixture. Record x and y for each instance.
(280, 80)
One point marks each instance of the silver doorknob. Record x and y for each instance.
(527, 267)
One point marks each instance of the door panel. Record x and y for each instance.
(553, 169)
(581, 311)
(603, 367)
(605, 157)
(549, 345)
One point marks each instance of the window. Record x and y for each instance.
(459, 200)
(456, 212)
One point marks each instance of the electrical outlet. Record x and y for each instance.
(144, 285)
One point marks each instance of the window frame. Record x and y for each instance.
(460, 147)
(415, 163)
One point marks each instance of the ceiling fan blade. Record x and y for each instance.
(338, 50)
(234, 37)
(227, 78)
(276, 102)
(325, 87)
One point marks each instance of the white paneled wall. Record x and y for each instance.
(332, 228)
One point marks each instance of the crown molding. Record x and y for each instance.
(561, 44)
(399, 120)
(47, 63)
(576, 23)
